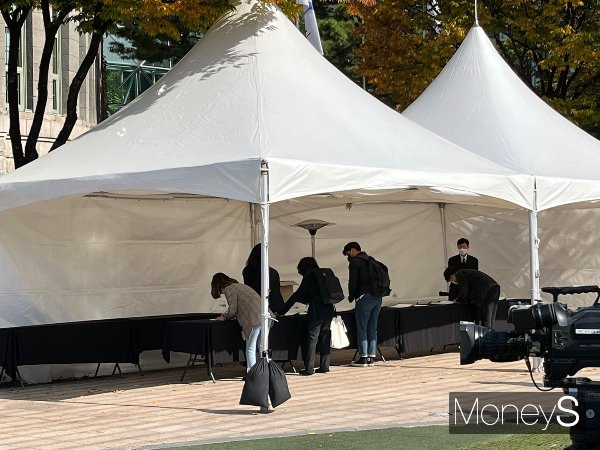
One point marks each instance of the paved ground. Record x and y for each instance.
(156, 409)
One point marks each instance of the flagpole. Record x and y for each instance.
(310, 25)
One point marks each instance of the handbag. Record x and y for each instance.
(339, 336)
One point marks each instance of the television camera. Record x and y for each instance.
(568, 341)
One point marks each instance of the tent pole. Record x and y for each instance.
(534, 263)
(264, 291)
(444, 231)
(252, 225)
(534, 245)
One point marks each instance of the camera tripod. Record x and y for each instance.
(586, 433)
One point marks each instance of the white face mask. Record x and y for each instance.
(462, 251)
(453, 282)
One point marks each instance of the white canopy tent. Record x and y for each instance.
(133, 217)
(478, 102)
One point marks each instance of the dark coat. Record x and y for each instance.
(473, 285)
(358, 281)
(309, 293)
(472, 262)
(252, 279)
(455, 261)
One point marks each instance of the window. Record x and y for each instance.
(57, 75)
(21, 85)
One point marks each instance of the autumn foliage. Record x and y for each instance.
(552, 45)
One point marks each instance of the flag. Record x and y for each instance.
(310, 25)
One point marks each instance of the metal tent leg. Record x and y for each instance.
(191, 359)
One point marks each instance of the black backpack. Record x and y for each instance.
(379, 278)
(329, 286)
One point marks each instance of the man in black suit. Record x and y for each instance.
(478, 289)
(461, 261)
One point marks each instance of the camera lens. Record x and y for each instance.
(470, 342)
(477, 342)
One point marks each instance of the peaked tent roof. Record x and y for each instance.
(254, 89)
(478, 102)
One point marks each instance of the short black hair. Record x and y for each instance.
(349, 246)
(306, 264)
(449, 272)
(462, 241)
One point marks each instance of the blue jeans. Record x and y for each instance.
(367, 314)
(251, 346)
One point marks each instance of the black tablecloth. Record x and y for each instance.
(411, 329)
(79, 342)
(222, 340)
(287, 338)
(149, 332)
(428, 327)
(94, 341)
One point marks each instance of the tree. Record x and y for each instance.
(550, 44)
(175, 21)
(338, 37)
(154, 49)
(15, 15)
(95, 17)
(52, 23)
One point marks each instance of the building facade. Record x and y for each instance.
(128, 78)
(69, 50)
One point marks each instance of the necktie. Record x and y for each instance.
(464, 259)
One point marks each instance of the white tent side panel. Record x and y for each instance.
(100, 258)
(500, 238)
(406, 237)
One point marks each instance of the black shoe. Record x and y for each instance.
(360, 362)
(320, 370)
(371, 361)
(305, 373)
(264, 410)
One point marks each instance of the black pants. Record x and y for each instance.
(486, 313)
(319, 332)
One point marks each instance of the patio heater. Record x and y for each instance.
(312, 225)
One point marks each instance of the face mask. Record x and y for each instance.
(453, 282)
(462, 251)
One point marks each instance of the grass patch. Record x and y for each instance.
(421, 438)
(524, 441)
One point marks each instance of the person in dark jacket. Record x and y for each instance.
(461, 261)
(252, 277)
(368, 305)
(318, 318)
(478, 289)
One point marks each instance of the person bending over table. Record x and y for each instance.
(478, 289)
(318, 317)
(252, 277)
(244, 305)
